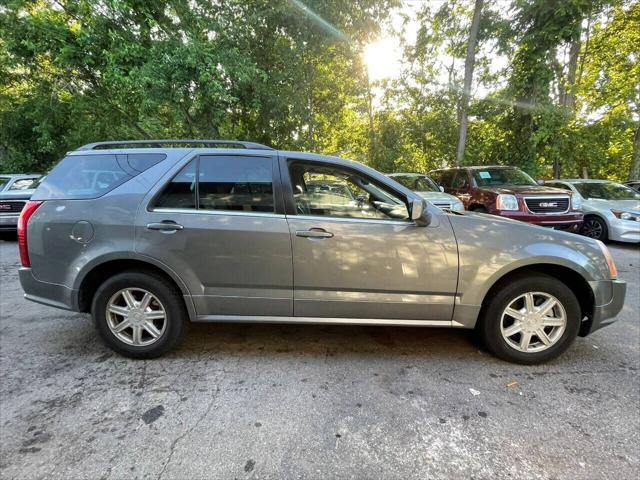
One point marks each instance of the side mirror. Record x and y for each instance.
(419, 214)
(540, 181)
(441, 188)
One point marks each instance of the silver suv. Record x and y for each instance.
(150, 235)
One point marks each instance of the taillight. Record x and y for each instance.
(25, 214)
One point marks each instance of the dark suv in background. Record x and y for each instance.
(510, 192)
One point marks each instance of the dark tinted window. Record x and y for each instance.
(236, 183)
(181, 191)
(446, 178)
(82, 176)
(143, 161)
(461, 180)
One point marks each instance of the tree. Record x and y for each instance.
(469, 63)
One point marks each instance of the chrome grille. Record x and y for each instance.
(11, 206)
(547, 204)
(443, 205)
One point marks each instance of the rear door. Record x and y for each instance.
(218, 222)
(357, 255)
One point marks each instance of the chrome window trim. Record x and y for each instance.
(234, 213)
(547, 197)
(350, 219)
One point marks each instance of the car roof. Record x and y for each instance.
(406, 174)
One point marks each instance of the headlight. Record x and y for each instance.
(576, 202)
(457, 205)
(613, 271)
(506, 202)
(622, 215)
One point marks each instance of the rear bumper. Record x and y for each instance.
(567, 221)
(51, 294)
(609, 297)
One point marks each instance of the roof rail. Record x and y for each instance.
(122, 143)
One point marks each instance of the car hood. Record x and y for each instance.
(431, 196)
(526, 190)
(601, 204)
(17, 195)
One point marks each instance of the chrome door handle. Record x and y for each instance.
(164, 226)
(314, 233)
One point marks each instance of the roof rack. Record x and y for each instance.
(116, 143)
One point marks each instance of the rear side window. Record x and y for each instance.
(82, 176)
(234, 183)
(181, 191)
(446, 178)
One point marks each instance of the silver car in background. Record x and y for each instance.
(15, 190)
(429, 190)
(611, 210)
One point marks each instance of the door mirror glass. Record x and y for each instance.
(540, 182)
(419, 214)
(441, 188)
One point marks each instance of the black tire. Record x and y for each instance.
(491, 316)
(478, 209)
(595, 227)
(168, 295)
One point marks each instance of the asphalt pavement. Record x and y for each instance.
(293, 402)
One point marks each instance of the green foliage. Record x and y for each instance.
(290, 74)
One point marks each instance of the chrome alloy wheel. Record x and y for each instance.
(136, 317)
(533, 322)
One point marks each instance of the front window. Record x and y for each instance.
(417, 183)
(4, 181)
(606, 191)
(330, 191)
(488, 177)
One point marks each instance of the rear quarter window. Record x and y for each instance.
(81, 177)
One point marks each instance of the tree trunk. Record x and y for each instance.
(634, 171)
(372, 131)
(469, 63)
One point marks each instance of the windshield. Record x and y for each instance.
(487, 177)
(606, 191)
(417, 183)
(3, 182)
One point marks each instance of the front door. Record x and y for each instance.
(357, 255)
(216, 225)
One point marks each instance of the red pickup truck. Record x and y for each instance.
(510, 192)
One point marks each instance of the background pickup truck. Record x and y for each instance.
(510, 192)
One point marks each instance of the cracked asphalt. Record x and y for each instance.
(261, 401)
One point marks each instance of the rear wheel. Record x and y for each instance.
(595, 227)
(534, 318)
(140, 315)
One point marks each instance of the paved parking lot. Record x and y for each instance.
(256, 401)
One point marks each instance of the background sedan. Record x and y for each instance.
(612, 210)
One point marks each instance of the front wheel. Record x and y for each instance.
(139, 315)
(531, 320)
(595, 227)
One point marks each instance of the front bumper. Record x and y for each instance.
(571, 221)
(9, 222)
(624, 231)
(609, 298)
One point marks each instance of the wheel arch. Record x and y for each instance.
(94, 274)
(572, 278)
